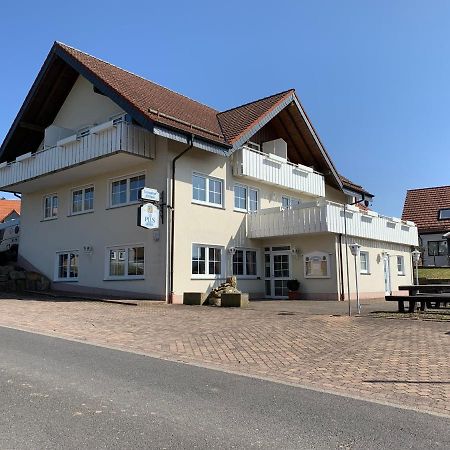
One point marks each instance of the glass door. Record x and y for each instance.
(277, 272)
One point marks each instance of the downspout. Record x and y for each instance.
(341, 270)
(172, 219)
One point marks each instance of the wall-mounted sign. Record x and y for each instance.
(149, 194)
(148, 216)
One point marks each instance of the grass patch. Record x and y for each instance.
(441, 273)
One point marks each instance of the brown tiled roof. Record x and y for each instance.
(422, 207)
(7, 207)
(235, 122)
(353, 186)
(154, 101)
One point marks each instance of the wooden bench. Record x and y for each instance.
(425, 301)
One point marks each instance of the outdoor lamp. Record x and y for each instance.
(355, 249)
(416, 256)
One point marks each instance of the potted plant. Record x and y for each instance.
(293, 286)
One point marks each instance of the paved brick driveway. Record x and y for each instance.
(405, 362)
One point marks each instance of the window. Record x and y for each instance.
(125, 262)
(67, 266)
(206, 261)
(244, 262)
(444, 214)
(437, 248)
(364, 262)
(82, 200)
(289, 202)
(126, 190)
(400, 265)
(317, 265)
(207, 190)
(246, 199)
(50, 206)
(253, 146)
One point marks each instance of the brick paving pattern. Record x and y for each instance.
(404, 362)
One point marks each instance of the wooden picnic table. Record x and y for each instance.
(423, 293)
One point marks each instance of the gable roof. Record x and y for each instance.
(348, 184)
(422, 207)
(7, 207)
(152, 105)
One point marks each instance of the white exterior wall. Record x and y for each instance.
(83, 107)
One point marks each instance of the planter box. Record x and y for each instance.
(234, 300)
(194, 298)
(294, 295)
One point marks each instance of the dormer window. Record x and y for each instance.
(444, 214)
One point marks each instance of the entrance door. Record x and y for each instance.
(277, 272)
(387, 275)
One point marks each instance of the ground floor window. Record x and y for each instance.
(244, 262)
(437, 248)
(364, 262)
(67, 266)
(400, 265)
(125, 262)
(206, 261)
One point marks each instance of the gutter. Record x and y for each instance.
(172, 219)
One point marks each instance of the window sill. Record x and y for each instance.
(49, 219)
(211, 205)
(66, 280)
(125, 278)
(247, 277)
(365, 273)
(240, 210)
(207, 277)
(80, 213)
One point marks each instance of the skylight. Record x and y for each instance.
(444, 213)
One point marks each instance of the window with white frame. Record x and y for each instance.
(244, 262)
(125, 262)
(364, 262)
(67, 266)
(400, 265)
(289, 202)
(246, 199)
(82, 200)
(206, 261)
(50, 204)
(317, 265)
(126, 190)
(207, 190)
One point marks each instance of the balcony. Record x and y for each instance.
(110, 138)
(271, 169)
(324, 216)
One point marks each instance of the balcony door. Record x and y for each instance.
(277, 267)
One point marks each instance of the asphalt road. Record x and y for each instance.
(56, 393)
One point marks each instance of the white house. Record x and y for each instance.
(250, 191)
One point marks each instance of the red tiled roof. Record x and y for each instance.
(235, 122)
(353, 186)
(7, 207)
(422, 207)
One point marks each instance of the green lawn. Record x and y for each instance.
(435, 274)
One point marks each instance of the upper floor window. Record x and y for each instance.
(50, 206)
(246, 199)
(437, 248)
(82, 200)
(364, 262)
(126, 190)
(444, 213)
(400, 265)
(207, 190)
(289, 202)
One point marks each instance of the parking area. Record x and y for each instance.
(313, 344)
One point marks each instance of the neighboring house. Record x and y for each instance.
(429, 208)
(252, 192)
(9, 209)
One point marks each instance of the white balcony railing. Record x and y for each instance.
(102, 140)
(324, 216)
(274, 170)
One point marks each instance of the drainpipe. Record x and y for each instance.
(172, 220)
(341, 270)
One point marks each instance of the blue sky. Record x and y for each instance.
(373, 76)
